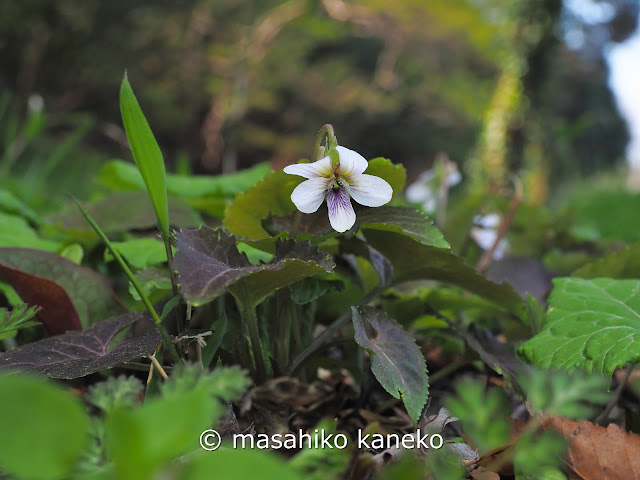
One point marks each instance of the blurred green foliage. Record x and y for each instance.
(234, 82)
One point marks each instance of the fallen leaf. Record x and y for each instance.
(57, 312)
(91, 296)
(76, 354)
(597, 453)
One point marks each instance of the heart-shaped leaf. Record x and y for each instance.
(89, 293)
(590, 324)
(76, 354)
(208, 263)
(396, 360)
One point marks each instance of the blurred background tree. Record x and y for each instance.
(228, 83)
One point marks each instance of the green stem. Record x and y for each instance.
(163, 332)
(318, 342)
(327, 129)
(251, 320)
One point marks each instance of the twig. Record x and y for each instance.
(156, 364)
(443, 193)
(616, 396)
(505, 225)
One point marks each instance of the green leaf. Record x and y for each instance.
(143, 440)
(115, 392)
(208, 264)
(621, 264)
(564, 394)
(122, 176)
(481, 414)
(239, 463)
(141, 253)
(590, 324)
(91, 295)
(19, 317)
(152, 281)
(394, 174)
(120, 212)
(227, 384)
(146, 153)
(272, 195)
(596, 215)
(414, 261)
(396, 360)
(33, 409)
(311, 288)
(9, 203)
(16, 232)
(405, 220)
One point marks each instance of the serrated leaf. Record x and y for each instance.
(414, 261)
(396, 360)
(208, 264)
(33, 408)
(590, 324)
(622, 264)
(90, 294)
(405, 220)
(146, 153)
(76, 354)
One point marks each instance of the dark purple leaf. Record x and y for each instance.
(76, 354)
(208, 264)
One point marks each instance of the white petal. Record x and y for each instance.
(341, 214)
(351, 163)
(370, 191)
(321, 168)
(308, 196)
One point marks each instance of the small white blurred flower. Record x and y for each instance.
(35, 104)
(485, 234)
(425, 189)
(338, 183)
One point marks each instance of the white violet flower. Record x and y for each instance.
(337, 184)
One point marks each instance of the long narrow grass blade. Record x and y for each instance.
(146, 153)
(165, 336)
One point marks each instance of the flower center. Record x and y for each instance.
(338, 182)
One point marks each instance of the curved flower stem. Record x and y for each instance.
(327, 129)
(318, 342)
